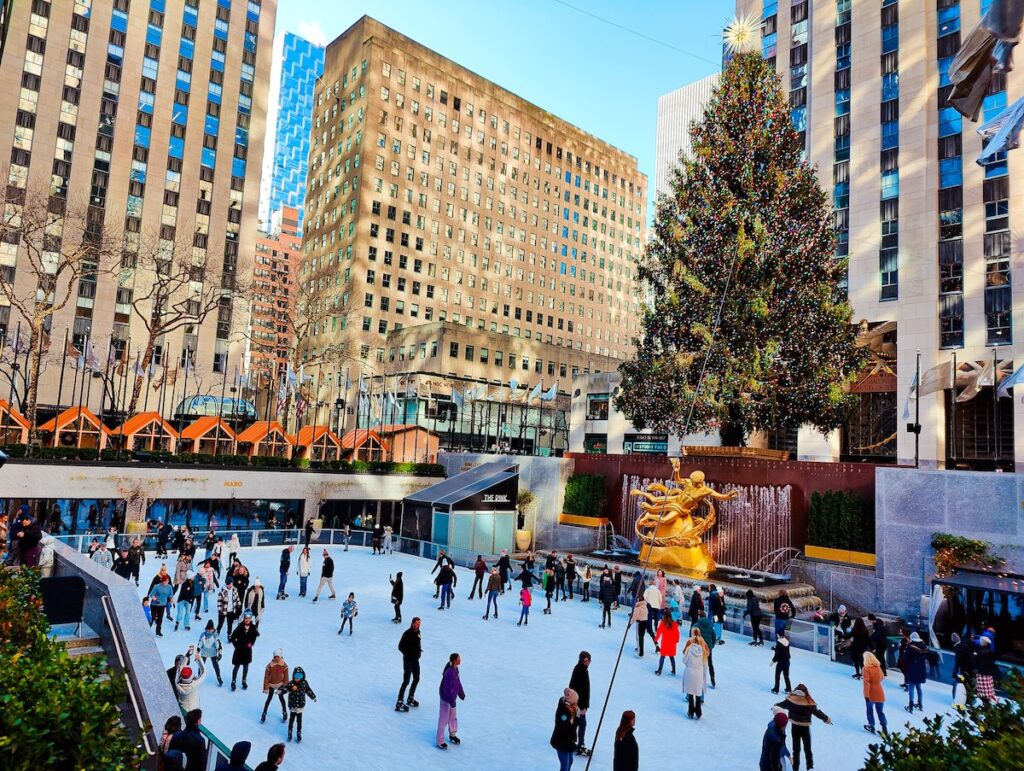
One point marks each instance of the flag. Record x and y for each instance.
(1017, 378)
(938, 378)
(458, 399)
(290, 376)
(513, 386)
(70, 350)
(362, 384)
(911, 397)
(535, 393)
(348, 381)
(550, 394)
(189, 368)
(90, 355)
(979, 377)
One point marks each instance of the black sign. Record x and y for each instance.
(501, 496)
(645, 444)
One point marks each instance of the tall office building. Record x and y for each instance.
(927, 230)
(676, 111)
(275, 270)
(150, 113)
(291, 108)
(459, 232)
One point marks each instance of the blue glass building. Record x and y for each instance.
(302, 63)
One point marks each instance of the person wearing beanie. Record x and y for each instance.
(298, 689)
(191, 672)
(983, 662)
(563, 736)
(229, 605)
(275, 678)
(209, 648)
(397, 595)
(242, 639)
(801, 708)
(505, 570)
(580, 683)
(773, 744)
(255, 600)
(780, 658)
(185, 591)
(915, 669)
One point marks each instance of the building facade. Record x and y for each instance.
(149, 115)
(676, 110)
(926, 229)
(291, 109)
(272, 309)
(436, 196)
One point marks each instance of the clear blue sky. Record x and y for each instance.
(598, 76)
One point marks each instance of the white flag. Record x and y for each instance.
(911, 397)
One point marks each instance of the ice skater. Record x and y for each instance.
(579, 681)
(525, 601)
(780, 658)
(326, 577)
(801, 708)
(229, 605)
(411, 648)
(695, 673)
(349, 610)
(450, 692)
(442, 559)
(494, 586)
(606, 594)
(286, 564)
(185, 592)
(559, 568)
(874, 693)
(397, 595)
(548, 582)
(570, 573)
(305, 563)
(563, 736)
(242, 639)
(667, 638)
(209, 647)
(446, 582)
(275, 678)
(389, 540)
(298, 689)
(753, 610)
(505, 570)
(255, 601)
(479, 571)
(585, 578)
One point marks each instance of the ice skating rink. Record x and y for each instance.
(513, 677)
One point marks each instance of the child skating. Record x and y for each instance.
(548, 581)
(298, 689)
(525, 601)
(349, 610)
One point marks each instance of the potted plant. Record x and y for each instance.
(524, 503)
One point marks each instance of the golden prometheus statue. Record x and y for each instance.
(671, 533)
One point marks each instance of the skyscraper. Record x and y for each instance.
(676, 110)
(146, 118)
(458, 232)
(291, 110)
(275, 270)
(926, 229)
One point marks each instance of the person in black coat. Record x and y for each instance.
(963, 667)
(163, 532)
(860, 641)
(580, 682)
(754, 611)
(526, 578)
(915, 669)
(627, 752)
(397, 595)
(780, 657)
(879, 641)
(617, 583)
(696, 605)
(606, 594)
(446, 582)
(242, 638)
(570, 573)
(505, 570)
(189, 741)
(411, 648)
(563, 736)
(773, 744)
(122, 565)
(442, 558)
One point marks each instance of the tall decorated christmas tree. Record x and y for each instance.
(744, 280)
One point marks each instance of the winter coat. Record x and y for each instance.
(122, 567)
(504, 565)
(548, 582)
(753, 608)
(185, 590)
(479, 568)
(192, 744)
(525, 598)
(627, 753)
(783, 607)
(640, 613)
(275, 675)
(962, 651)
(136, 555)
(397, 591)
(570, 569)
(161, 594)
(563, 737)
(526, 577)
(209, 645)
(661, 583)
(606, 590)
(871, 678)
(349, 609)
(45, 563)
(298, 689)
(255, 600)
(617, 583)
(446, 576)
(242, 638)
(304, 565)
(228, 601)
(707, 631)
(695, 666)
(411, 645)
(559, 570)
(188, 690)
(199, 585)
(494, 583)
(878, 635)
(636, 586)
(915, 663)
(101, 557)
(209, 577)
(327, 571)
(696, 604)
(31, 536)
(163, 535)
(716, 607)
(653, 597)
(668, 638)
(983, 662)
(801, 709)
(184, 565)
(286, 561)
(773, 747)
(781, 652)
(239, 754)
(442, 559)
(580, 682)
(451, 687)
(859, 642)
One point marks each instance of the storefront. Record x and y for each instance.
(968, 602)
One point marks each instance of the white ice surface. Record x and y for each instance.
(512, 676)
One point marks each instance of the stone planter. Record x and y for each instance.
(523, 539)
(575, 519)
(840, 555)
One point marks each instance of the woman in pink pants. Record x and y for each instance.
(450, 691)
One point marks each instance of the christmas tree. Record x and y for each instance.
(743, 277)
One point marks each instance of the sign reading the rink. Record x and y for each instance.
(496, 498)
(645, 444)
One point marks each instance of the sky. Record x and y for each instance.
(554, 53)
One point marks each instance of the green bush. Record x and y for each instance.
(840, 519)
(16, 450)
(54, 710)
(584, 495)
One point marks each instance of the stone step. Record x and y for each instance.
(82, 651)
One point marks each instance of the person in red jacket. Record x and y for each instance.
(668, 638)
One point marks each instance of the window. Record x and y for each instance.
(890, 38)
(888, 266)
(470, 352)
(890, 184)
(453, 350)
(891, 134)
(597, 406)
(950, 172)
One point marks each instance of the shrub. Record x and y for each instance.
(54, 710)
(840, 519)
(584, 495)
(16, 450)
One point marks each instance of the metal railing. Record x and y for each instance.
(149, 739)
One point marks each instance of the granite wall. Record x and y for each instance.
(912, 504)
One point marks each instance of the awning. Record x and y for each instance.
(986, 582)
(490, 486)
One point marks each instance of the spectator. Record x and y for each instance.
(275, 757)
(190, 742)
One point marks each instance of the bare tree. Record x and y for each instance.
(60, 245)
(173, 286)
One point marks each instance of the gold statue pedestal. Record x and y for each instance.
(694, 561)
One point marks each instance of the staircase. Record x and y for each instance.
(80, 643)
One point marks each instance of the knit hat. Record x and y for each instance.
(570, 696)
(256, 582)
(781, 719)
(776, 709)
(915, 637)
(279, 653)
(842, 609)
(983, 641)
(209, 624)
(186, 673)
(190, 575)
(584, 655)
(247, 614)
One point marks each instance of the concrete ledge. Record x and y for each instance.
(845, 556)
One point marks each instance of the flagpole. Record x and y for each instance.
(149, 382)
(81, 393)
(106, 370)
(995, 407)
(952, 413)
(10, 393)
(220, 408)
(124, 375)
(415, 418)
(917, 412)
(63, 362)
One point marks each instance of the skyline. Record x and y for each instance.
(490, 49)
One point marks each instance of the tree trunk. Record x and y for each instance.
(147, 357)
(731, 431)
(32, 381)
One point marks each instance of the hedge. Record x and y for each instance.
(584, 495)
(840, 519)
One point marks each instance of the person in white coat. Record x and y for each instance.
(389, 547)
(304, 568)
(233, 548)
(695, 673)
(46, 557)
(652, 596)
(191, 672)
